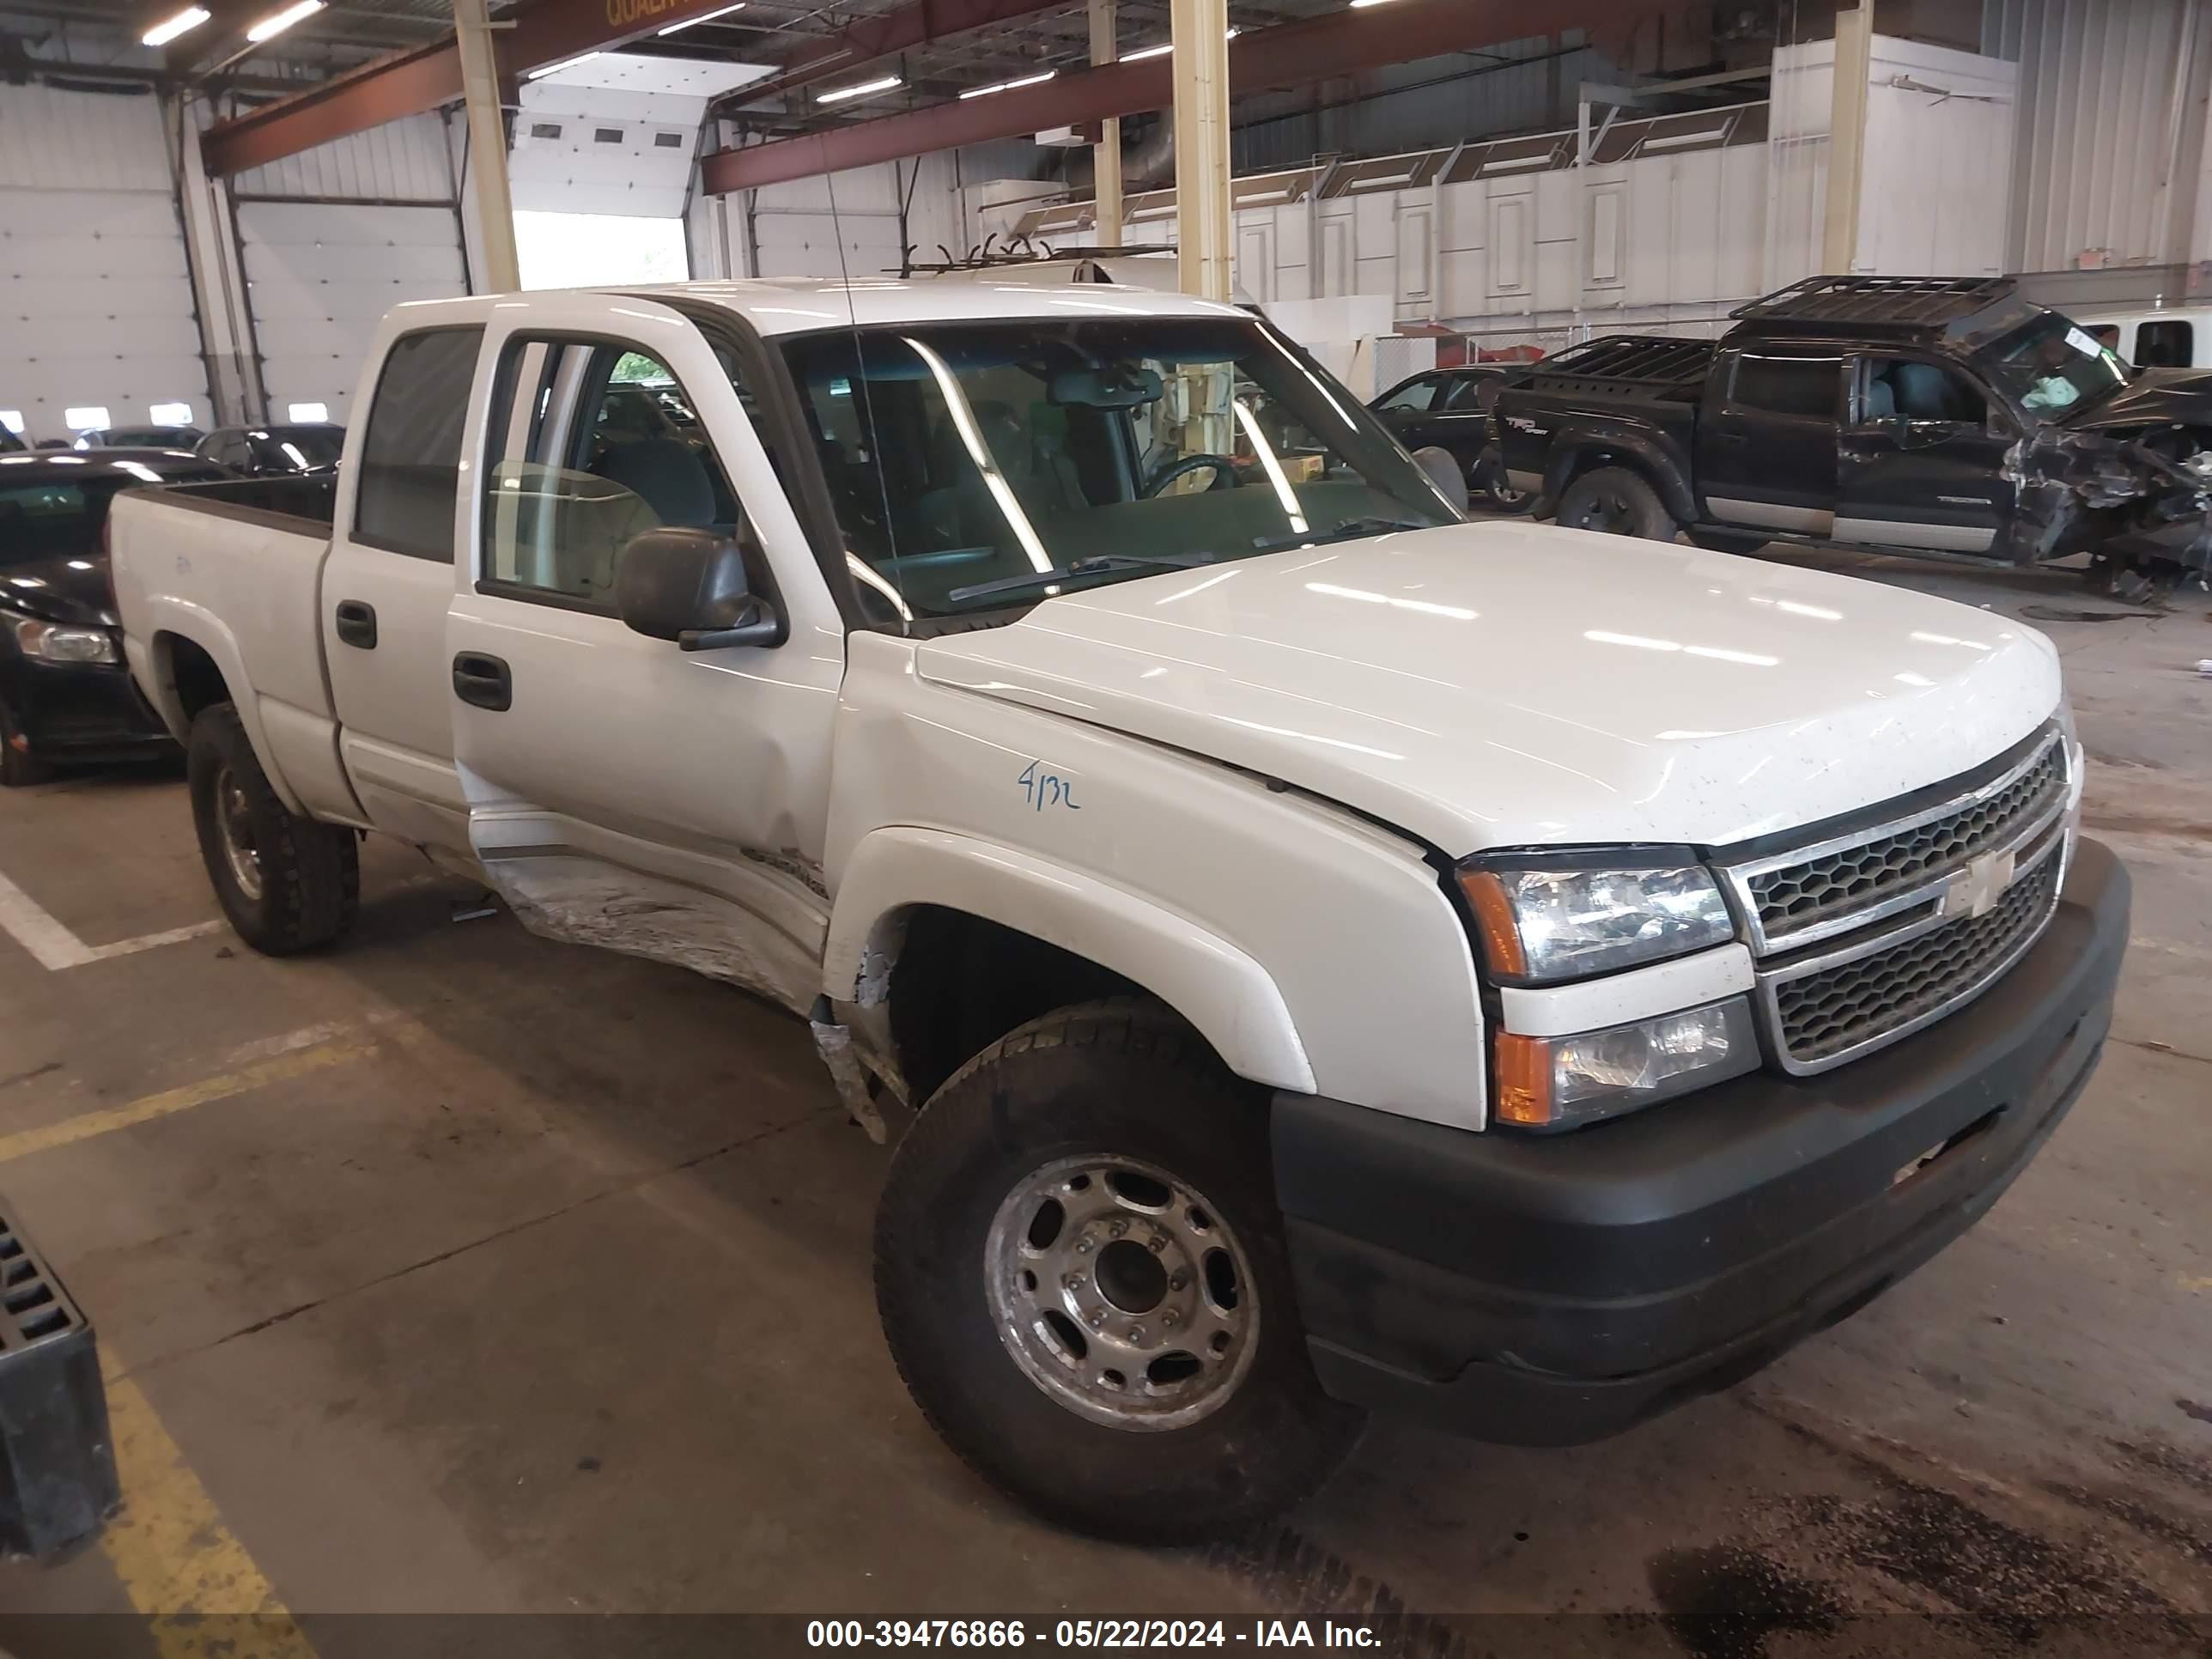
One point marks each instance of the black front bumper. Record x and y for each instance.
(82, 711)
(1547, 1290)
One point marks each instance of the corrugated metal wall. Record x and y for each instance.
(2110, 137)
(96, 297)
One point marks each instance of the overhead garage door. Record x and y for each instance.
(319, 275)
(96, 311)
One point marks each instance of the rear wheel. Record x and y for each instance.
(286, 883)
(1618, 502)
(1082, 1276)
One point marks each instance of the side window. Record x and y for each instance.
(1801, 386)
(1474, 394)
(2167, 344)
(410, 456)
(1415, 397)
(1920, 392)
(592, 444)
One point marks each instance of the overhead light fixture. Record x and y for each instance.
(270, 26)
(1384, 180)
(884, 83)
(1517, 163)
(1008, 86)
(170, 27)
(1357, 4)
(1163, 49)
(708, 17)
(1676, 140)
(554, 69)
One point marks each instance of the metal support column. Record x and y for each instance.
(495, 205)
(1847, 116)
(1106, 157)
(1200, 33)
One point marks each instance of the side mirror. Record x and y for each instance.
(692, 587)
(1444, 473)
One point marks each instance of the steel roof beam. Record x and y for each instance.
(1295, 54)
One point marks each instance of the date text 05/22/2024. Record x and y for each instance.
(1088, 1634)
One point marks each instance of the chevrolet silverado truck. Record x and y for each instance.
(1322, 954)
(1941, 416)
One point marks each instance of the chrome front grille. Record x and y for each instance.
(1834, 1012)
(1867, 936)
(1816, 892)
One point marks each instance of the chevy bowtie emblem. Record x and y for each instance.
(1975, 891)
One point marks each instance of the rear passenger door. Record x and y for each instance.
(623, 791)
(1766, 438)
(388, 583)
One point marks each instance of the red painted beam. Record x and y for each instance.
(903, 30)
(424, 78)
(1286, 55)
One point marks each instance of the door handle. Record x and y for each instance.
(356, 623)
(1733, 439)
(484, 681)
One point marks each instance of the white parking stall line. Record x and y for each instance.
(54, 947)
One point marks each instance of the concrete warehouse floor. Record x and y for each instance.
(471, 1273)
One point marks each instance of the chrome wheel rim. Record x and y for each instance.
(1120, 1292)
(241, 847)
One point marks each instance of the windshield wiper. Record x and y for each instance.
(1103, 564)
(1373, 524)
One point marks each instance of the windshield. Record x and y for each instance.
(2053, 364)
(300, 448)
(977, 465)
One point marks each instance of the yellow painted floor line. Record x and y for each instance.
(277, 1069)
(179, 1565)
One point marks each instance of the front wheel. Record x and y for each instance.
(1618, 502)
(286, 883)
(1082, 1275)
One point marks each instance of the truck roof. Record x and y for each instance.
(1927, 310)
(799, 305)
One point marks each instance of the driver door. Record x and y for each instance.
(1921, 462)
(621, 791)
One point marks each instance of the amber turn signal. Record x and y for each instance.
(1493, 919)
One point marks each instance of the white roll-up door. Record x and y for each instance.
(96, 297)
(319, 275)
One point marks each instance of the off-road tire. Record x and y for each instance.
(1617, 501)
(1122, 1077)
(310, 871)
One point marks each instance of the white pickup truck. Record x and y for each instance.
(1325, 955)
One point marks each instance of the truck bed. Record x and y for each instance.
(1624, 365)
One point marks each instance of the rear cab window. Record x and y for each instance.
(409, 483)
(2170, 343)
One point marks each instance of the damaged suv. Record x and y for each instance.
(1947, 416)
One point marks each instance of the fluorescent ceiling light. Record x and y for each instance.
(1357, 4)
(307, 414)
(1008, 86)
(1673, 140)
(884, 83)
(554, 69)
(270, 26)
(1516, 164)
(1163, 49)
(172, 414)
(170, 27)
(708, 17)
(1382, 181)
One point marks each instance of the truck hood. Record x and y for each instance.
(2152, 398)
(71, 590)
(1508, 684)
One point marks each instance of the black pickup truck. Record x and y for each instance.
(1947, 416)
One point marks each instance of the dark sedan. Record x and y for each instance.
(65, 693)
(1450, 409)
(275, 451)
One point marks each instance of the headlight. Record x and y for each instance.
(1561, 1082)
(52, 642)
(1543, 920)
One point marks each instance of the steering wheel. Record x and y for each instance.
(1224, 471)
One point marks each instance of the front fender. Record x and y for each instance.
(1229, 997)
